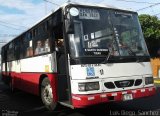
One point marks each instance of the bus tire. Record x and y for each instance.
(46, 95)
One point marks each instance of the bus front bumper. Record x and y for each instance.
(81, 101)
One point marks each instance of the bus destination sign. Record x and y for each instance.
(85, 13)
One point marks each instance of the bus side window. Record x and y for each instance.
(28, 44)
(39, 48)
(30, 49)
(17, 50)
(42, 41)
(46, 46)
(22, 48)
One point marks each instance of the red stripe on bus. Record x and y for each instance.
(29, 82)
(81, 101)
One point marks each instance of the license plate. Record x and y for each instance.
(127, 97)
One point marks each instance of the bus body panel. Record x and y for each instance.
(26, 73)
(38, 64)
(81, 101)
(111, 73)
(111, 70)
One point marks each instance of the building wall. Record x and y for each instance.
(156, 67)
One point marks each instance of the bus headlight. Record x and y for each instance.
(88, 86)
(148, 80)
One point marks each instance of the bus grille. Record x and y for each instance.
(138, 82)
(124, 83)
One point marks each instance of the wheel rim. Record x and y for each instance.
(47, 94)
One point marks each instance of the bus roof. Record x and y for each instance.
(63, 6)
(74, 3)
(97, 5)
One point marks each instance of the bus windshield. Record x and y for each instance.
(99, 31)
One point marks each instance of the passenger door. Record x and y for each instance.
(62, 74)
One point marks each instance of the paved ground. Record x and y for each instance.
(24, 104)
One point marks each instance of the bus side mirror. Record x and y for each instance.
(69, 27)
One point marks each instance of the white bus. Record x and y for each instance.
(81, 55)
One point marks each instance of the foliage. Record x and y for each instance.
(151, 30)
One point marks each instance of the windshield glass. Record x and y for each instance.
(128, 34)
(99, 31)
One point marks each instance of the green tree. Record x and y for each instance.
(151, 30)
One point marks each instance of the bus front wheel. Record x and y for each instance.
(46, 95)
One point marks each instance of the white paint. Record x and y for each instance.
(76, 98)
(125, 92)
(103, 95)
(33, 64)
(150, 89)
(143, 90)
(114, 94)
(112, 72)
(91, 98)
(134, 91)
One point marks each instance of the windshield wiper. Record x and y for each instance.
(107, 58)
(133, 53)
(109, 54)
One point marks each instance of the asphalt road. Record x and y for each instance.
(24, 104)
